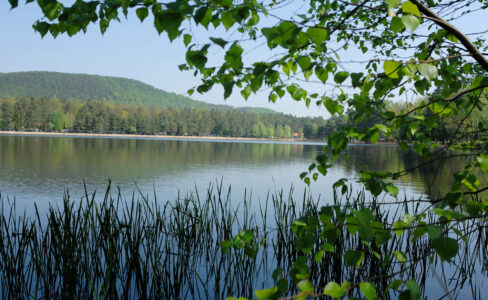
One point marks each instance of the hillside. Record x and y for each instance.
(93, 87)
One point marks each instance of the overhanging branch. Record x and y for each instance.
(454, 31)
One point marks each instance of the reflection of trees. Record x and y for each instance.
(433, 177)
(440, 174)
(80, 156)
(378, 158)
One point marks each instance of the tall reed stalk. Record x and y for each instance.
(145, 248)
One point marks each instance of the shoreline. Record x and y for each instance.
(173, 137)
(142, 136)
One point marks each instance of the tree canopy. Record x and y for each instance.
(351, 56)
(51, 114)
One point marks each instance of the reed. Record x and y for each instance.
(142, 247)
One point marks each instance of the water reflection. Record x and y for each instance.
(432, 179)
(40, 168)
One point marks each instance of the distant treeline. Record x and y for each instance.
(51, 114)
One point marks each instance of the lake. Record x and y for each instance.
(40, 169)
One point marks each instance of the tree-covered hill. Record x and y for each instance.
(85, 87)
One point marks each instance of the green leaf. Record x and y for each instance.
(300, 269)
(196, 58)
(411, 22)
(414, 127)
(340, 77)
(251, 250)
(306, 242)
(473, 208)
(391, 189)
(353, 258)
(41, 27)
(142, 13)
(203, 16)
(227, 19)
(228, 86)
(319, 255)
(400, 256)
(446, 248)
(304, 62)
(414, 289)
(429, 71)
(170, 22)
(334, 290)
(397, 24)
(225, 245)
(482, 161)
(411, 69)
(266, 293)
(410, 8)
(365, 232)
(382, 237)
(374, 137)
(369, 290)
(391, 68)
(305, 286)
(51, 9)
(219, 41)
(244, 237)
(234, 56)
(395, 284)
(352, 224)
(321, 73)
(452, 38)
(448, 214)
(398, 227)
(245, 92)
(13, 3)
(365, 216)
(318, 35)
(299, 94)
(393, 3)
(187, 39)
(333, 106)
(328, 247)
(356, 79)
(438, 108)
(382, 128)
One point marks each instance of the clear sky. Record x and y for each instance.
(128, 49)
(132, 50)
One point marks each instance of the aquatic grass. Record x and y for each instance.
(146, 248)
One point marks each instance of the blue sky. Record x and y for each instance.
(132, 50)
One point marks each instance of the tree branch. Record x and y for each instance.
(454, 31)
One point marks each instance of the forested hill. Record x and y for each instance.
(84, 87)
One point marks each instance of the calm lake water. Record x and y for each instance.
(40, 169)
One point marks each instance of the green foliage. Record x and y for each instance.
(369, 290)
(48, 114)
(335, 290)
(446, 248)
(375, 243)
